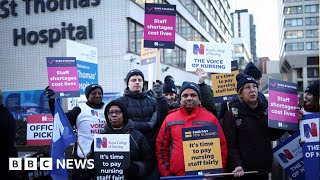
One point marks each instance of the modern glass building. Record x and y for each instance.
(299, 41)
(30, 31)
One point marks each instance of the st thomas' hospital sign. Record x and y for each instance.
(23, 36)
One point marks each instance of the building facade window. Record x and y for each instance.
(293, 22)
(312, 45)
(293, 10)
(294, 46)
(187, 31)
(309, 21)
(289, 1)
(313, 72)
(312, 33)
(293, 34)
(142, 2)
(311, 8)
(174, 57)
(135, 35)
(238, 48)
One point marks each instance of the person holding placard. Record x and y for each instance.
(169, 152)
(140, 152)
(247, 133)
(88, 118)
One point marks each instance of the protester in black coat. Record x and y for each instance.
(142, 110)
(140, 152)
(247, 133)
(8, 132)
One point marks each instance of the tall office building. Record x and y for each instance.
(299, 41)
(244, 37)
(114, 27)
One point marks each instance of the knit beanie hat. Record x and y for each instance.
(121, 106)
(134, 72)
(313, 88)
(190, 85)
(91, 88)
(243, 79)
(253, 71)
(168, 85)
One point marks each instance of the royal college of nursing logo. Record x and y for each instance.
(101, 142)
(198, 49)
(286, 156)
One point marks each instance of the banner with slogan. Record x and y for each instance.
(111, 155)
(289, 155)
(310, 133)
(283, 101)
(24, 103)
(225, 85)
(63, 76)
(201, 149)
(39, 129)
(87, 62)
(148, 55)
(159, 26)
(211, 57)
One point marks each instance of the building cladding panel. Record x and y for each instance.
(23, 67)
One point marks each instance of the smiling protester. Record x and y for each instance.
(247, 133)
(88, 118)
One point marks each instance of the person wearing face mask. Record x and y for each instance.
(88, 118)
(142, 110)
(140, 152)
(247, 133)
(190, 114)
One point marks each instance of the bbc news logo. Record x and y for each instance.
(285, 156)
(47, 164)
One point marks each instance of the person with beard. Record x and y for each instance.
(190, 114)
(88, 118)
(140, 152)
(142, 110)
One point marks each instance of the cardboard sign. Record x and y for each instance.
(111, 155)
(63, 76)
(211, 57)
(201, 149)
(39, 129)
(159, 26)
(283, 101)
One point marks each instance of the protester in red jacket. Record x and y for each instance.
(169, 146)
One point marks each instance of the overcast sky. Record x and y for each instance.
(265, 15)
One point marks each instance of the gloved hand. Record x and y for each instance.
(157, 89)
(49, 93)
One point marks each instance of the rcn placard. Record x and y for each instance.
(39, 129)
(289, 155)
(63, 76)
(201, 149)
(159, 26)
(111, 155)
(211, 57)
(282, 105)
(309, 130)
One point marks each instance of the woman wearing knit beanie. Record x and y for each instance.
(311, 97)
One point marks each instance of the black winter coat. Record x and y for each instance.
(8, 132)
(249, 138)
(141, 161)
(142, 110)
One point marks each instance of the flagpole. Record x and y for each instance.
(81, 150)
